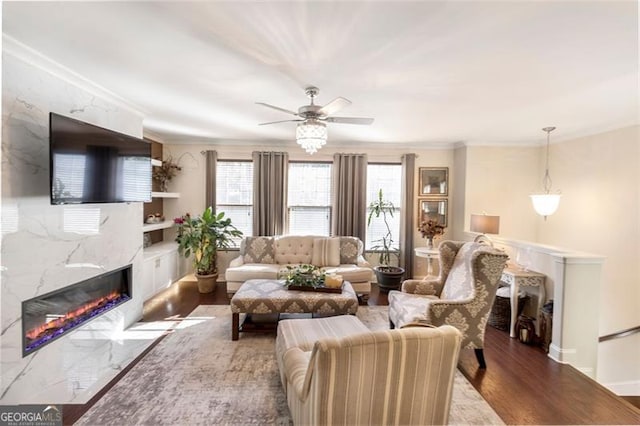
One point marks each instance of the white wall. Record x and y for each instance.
(42, 251)
(498, 181)
(599, 213)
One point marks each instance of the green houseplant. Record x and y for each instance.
(202, 237)
(388, 277)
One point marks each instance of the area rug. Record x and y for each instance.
(198, 376)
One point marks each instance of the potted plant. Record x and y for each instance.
(203, 236)
(388, 277)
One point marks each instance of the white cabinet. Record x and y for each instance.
(160, 268)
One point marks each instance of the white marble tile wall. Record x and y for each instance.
(43, 250)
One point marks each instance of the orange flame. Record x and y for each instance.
(60, 321)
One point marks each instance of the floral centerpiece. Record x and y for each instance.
(429, 229)
(164, 173)
(304, 276)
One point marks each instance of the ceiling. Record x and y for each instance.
(430, 73)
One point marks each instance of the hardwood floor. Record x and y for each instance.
(521, 383)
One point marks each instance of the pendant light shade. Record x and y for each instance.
(546, 203)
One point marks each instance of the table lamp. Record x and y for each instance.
(484, 224)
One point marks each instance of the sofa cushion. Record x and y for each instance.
(326, 252)
(258, 250)
(459, 283)
(252, 271)
(293, 250)
(350, 249)
(351, 273)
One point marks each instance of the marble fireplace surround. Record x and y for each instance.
(45, 248)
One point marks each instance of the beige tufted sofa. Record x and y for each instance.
(267, 257)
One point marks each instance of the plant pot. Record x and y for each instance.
(388, 277)
(206, 283)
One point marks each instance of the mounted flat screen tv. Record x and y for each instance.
(89, 164)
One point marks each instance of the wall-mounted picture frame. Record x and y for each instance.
(433, 181)
(434, 208)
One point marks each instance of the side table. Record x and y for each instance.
(517, 278)
(430, 254)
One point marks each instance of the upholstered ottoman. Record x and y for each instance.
(272, 297)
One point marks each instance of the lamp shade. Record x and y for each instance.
(545, 204)
(485, 224)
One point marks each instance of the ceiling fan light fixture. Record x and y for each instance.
(311, 135)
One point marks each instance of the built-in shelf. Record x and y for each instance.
(148, 227)
(165, 194)
(156, 163)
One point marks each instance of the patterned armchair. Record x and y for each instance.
(461, 296)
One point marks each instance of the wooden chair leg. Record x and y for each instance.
(480, 358)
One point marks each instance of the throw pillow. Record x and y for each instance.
(350, 248)
(259, 250)
(326, 252)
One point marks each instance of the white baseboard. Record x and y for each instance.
(630, 388)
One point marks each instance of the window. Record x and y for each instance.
(234, 194)
(309, 198)
(388, 178)
(134, 181)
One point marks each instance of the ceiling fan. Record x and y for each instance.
(311, 133)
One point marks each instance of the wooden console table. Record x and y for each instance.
(517, 278)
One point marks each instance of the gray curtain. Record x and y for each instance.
(270, 171)
(350, 195)
(406, 221)
(211, 161)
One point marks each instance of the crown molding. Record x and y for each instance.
(30, 56)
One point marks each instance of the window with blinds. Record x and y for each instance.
(234, 194)
(387, 177)
(134, 179)
(309, 198)
(71, 171)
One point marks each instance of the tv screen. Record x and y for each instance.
(89, 164)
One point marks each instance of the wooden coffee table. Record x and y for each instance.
(272, 297)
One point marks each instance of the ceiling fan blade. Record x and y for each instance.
(277, 108)
(274, 122)
(334, 106)
(350, 120)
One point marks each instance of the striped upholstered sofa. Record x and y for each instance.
(337, 372)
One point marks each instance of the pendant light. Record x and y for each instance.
(547, 203)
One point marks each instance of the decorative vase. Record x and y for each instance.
(206, 283)
(430, 243)
(164, 184)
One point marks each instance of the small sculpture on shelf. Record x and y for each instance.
(164, 173)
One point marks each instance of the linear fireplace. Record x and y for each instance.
(46, 318)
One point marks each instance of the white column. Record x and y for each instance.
(576, 304)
